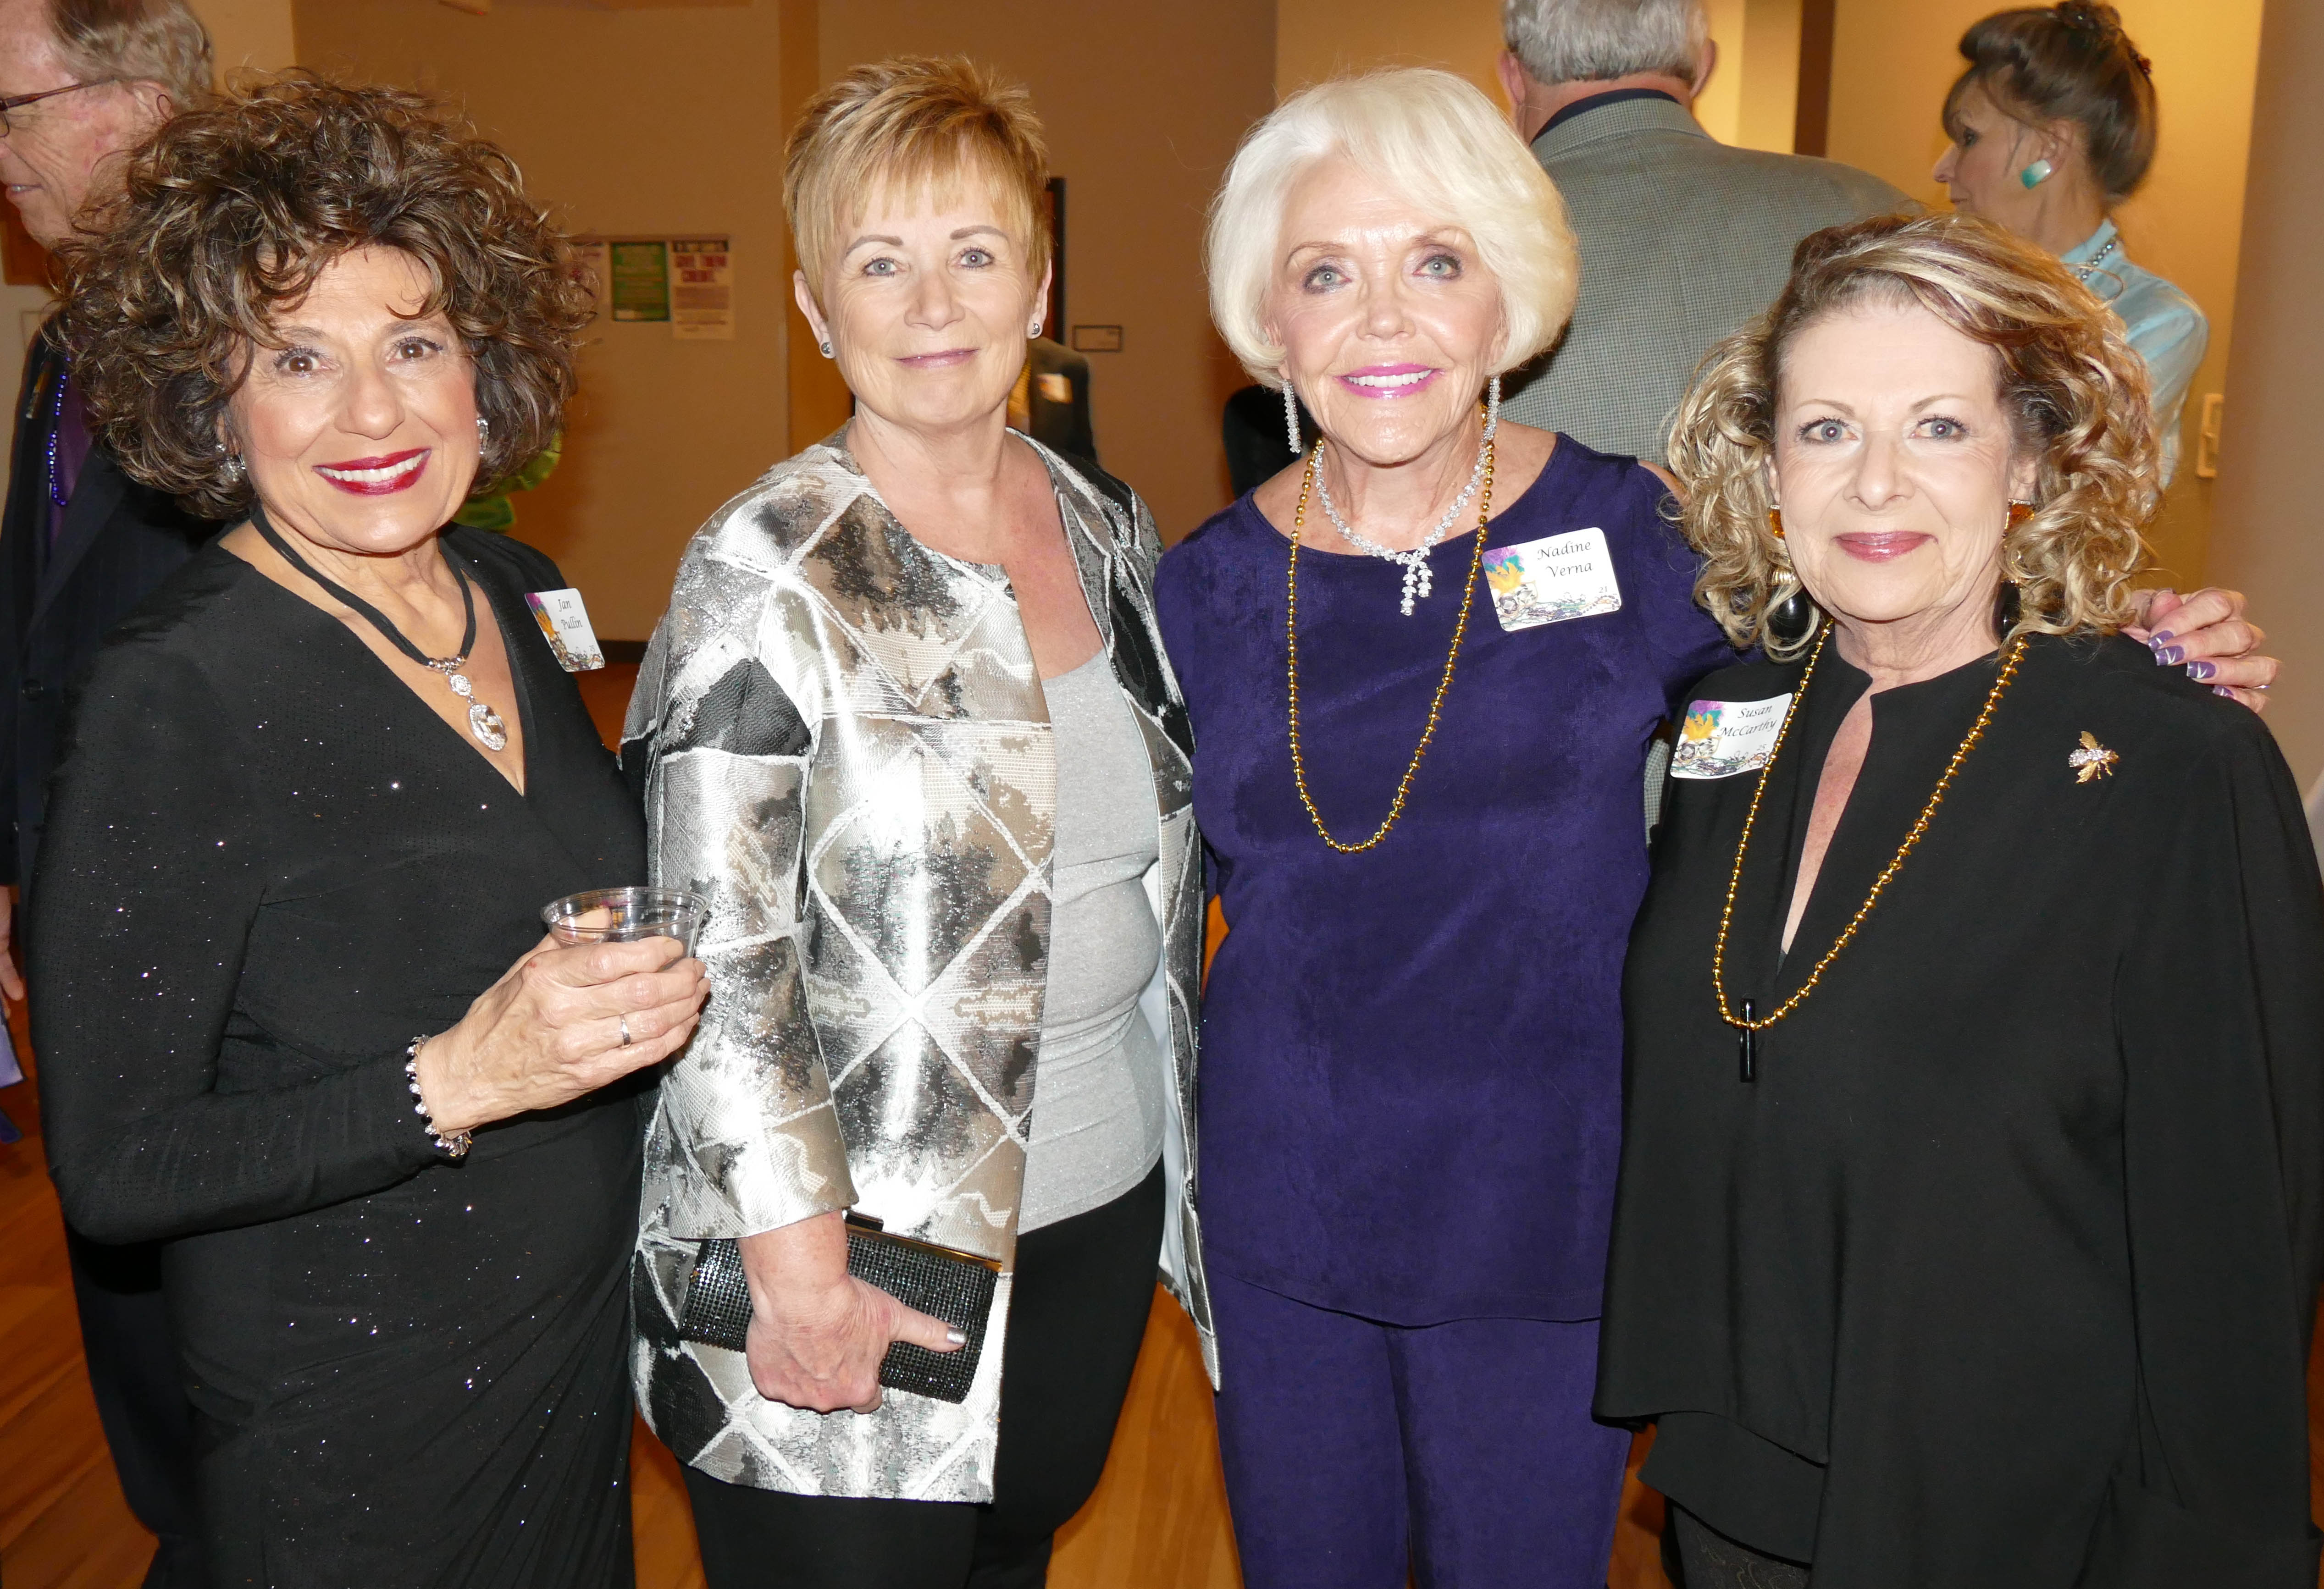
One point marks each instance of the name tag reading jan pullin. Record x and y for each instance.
(1551, 580)
(565, 621)
(1719, 739)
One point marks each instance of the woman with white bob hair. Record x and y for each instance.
(1424, 666)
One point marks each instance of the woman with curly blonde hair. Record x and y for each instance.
(312, 795)
(1968, 1226)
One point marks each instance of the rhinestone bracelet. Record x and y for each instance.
(455, 1146)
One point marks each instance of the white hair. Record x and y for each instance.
(1440, 143)
(1596, 40)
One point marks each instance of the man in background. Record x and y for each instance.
(1682, 238)
(82, 83)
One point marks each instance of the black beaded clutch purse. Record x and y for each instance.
(940, 1281)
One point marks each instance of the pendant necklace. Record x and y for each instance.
(1419, 579)
(483, 720)
(1750, 1024)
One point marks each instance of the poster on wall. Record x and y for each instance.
(702, 290)
(639, 273)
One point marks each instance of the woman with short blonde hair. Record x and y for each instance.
(1968, 1230)
(907, 724)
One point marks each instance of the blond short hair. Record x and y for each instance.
(1439, 143)
(912, 123)
(145, 41)
(2074, 389)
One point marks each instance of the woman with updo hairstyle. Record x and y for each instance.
(1968, 1230)
(312, 798)
(2051, 126)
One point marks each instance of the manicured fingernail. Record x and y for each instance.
(956, 1338)
(2171, 656)
(2223, 690)
(2201, 670)
(2161, 637)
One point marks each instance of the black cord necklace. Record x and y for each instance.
(483, 720)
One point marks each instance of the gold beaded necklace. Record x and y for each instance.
(1436, 707)
(1746, 1022)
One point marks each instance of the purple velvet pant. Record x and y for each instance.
(1465, 1449)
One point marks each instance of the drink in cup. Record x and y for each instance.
(627, 916)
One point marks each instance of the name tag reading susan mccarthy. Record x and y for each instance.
(1720, 739)
(1551, 580)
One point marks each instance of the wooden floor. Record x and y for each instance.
(1158, 1519)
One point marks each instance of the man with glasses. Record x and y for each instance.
(82, 83)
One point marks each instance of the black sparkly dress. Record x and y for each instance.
(268, 865)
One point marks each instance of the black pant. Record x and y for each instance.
(141, 1397)
(1076, 1318)
(1696, 1556)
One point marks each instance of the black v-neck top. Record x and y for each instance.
(268, 866)
(2001, 1271)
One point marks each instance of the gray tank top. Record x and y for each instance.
(1098, 1090)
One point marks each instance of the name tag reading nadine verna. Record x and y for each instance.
(1720, 739)
(1551, 580)
(565, 621)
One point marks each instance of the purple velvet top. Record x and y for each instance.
(1411, 1057)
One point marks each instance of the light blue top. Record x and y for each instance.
(2165, 326)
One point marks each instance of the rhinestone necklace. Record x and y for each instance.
(56, 422)
(1419, 578)
(483, 720)
(1436, 707)
(1746, 1023)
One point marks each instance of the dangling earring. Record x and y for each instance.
(1492, 407)
(1792, 619)
(1291, 416)
(824, 348)
(2019, 512)
(234, 469)
(1776, 522)
(2035, 175)
(484, 431)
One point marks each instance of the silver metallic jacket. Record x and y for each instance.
(845, 744)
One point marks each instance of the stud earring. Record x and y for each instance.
(1492, 407)
(2019, 512)
(1291, 416)
(824, 348)
(1776, 523)
(1034, 329)
(2035, 175)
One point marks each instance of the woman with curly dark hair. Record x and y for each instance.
(312, 795)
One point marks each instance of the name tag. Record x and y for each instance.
(1551, 580)
(1720, 739)
(565, 621)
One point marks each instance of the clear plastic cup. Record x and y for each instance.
(627, 916)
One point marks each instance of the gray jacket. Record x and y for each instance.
(1683, 239)
(844, 742)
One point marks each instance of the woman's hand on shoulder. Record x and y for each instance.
(817, 1333)
(561, 1022)
(2206, 634)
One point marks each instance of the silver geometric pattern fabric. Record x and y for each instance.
(842, 742)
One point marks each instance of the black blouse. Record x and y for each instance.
(2001, 1271)
(268, 866)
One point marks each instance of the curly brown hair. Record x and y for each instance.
(2076, 391)
(230, 212)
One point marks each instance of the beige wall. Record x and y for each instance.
(257, 34)
(1143, 113)
(657, 122)
(1753, 94)
(1891, 65)
(1318, 39)
(2270, 535)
